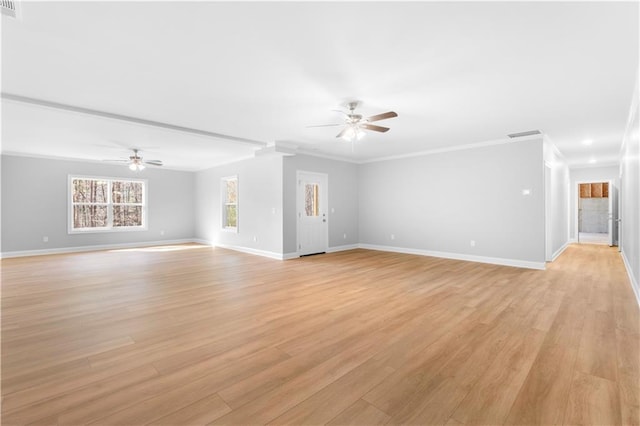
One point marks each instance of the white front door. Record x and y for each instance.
(313, 229)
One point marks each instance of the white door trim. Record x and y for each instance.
(324, 200)
(577, 202)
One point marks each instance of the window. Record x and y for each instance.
(103, 204)
(230, 203)
(311, 207)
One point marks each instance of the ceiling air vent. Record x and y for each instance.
(9, 8)
(521, 134)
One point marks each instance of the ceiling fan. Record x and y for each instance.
(356, 124)
(136, 162)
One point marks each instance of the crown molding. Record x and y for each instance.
(453, 148)
(595, 166)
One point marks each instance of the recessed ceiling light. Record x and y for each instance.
(587, 142)
(592, 161)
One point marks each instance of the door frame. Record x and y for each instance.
(323, 197)
(611, 220)
(618, 219)
(577, 204)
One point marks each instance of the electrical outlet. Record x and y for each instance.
(162, 232)
(45, 239)
(273, 210)
(393, 237)
(333, 210)
(344, 236)
(255, 238)
(472, 243)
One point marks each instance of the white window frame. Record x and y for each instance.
(109, 204)
(224, 203)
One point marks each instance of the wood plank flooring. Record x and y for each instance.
(190, 335)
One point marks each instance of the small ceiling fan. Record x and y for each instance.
(136, 162)
(356, 124)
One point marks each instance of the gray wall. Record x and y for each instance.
(442, 201)
(558, 214)
(343, 199)
(434, 203)
(592, 174)
(35, 204)
(259, 205)
(630, 192)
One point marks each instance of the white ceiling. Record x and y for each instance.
(456, 73)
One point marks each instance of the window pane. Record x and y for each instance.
(231, 216)
(87, 216)
(89, 191)
(311, 199)
(232, 190)
(127, 192)
(127, 216)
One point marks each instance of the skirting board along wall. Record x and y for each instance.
(632, 280)
(334, 249)
(457, 256)
(249, 250)
(99, 247)
(558, 252)
(272, 254)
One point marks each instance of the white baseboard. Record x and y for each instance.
(559, 251)
(203, 242)
(343, 248)
(632, 279)
(333, 249)
(279, 256)
(79, 249)
(257, 252)
(457, 256)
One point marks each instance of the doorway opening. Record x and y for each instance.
(595, 213)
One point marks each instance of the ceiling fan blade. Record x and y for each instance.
(153, 162)
(326, 125)
(117, 161)
(382, 116)
(341, 134)
(374, 127)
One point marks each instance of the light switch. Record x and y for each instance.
(526, 191)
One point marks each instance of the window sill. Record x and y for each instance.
(107, 230)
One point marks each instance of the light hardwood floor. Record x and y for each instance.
(210, 336)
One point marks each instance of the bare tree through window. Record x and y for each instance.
(107, 203)
(230, 203)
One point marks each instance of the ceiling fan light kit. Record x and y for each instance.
(136, 166)
(352, 132)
